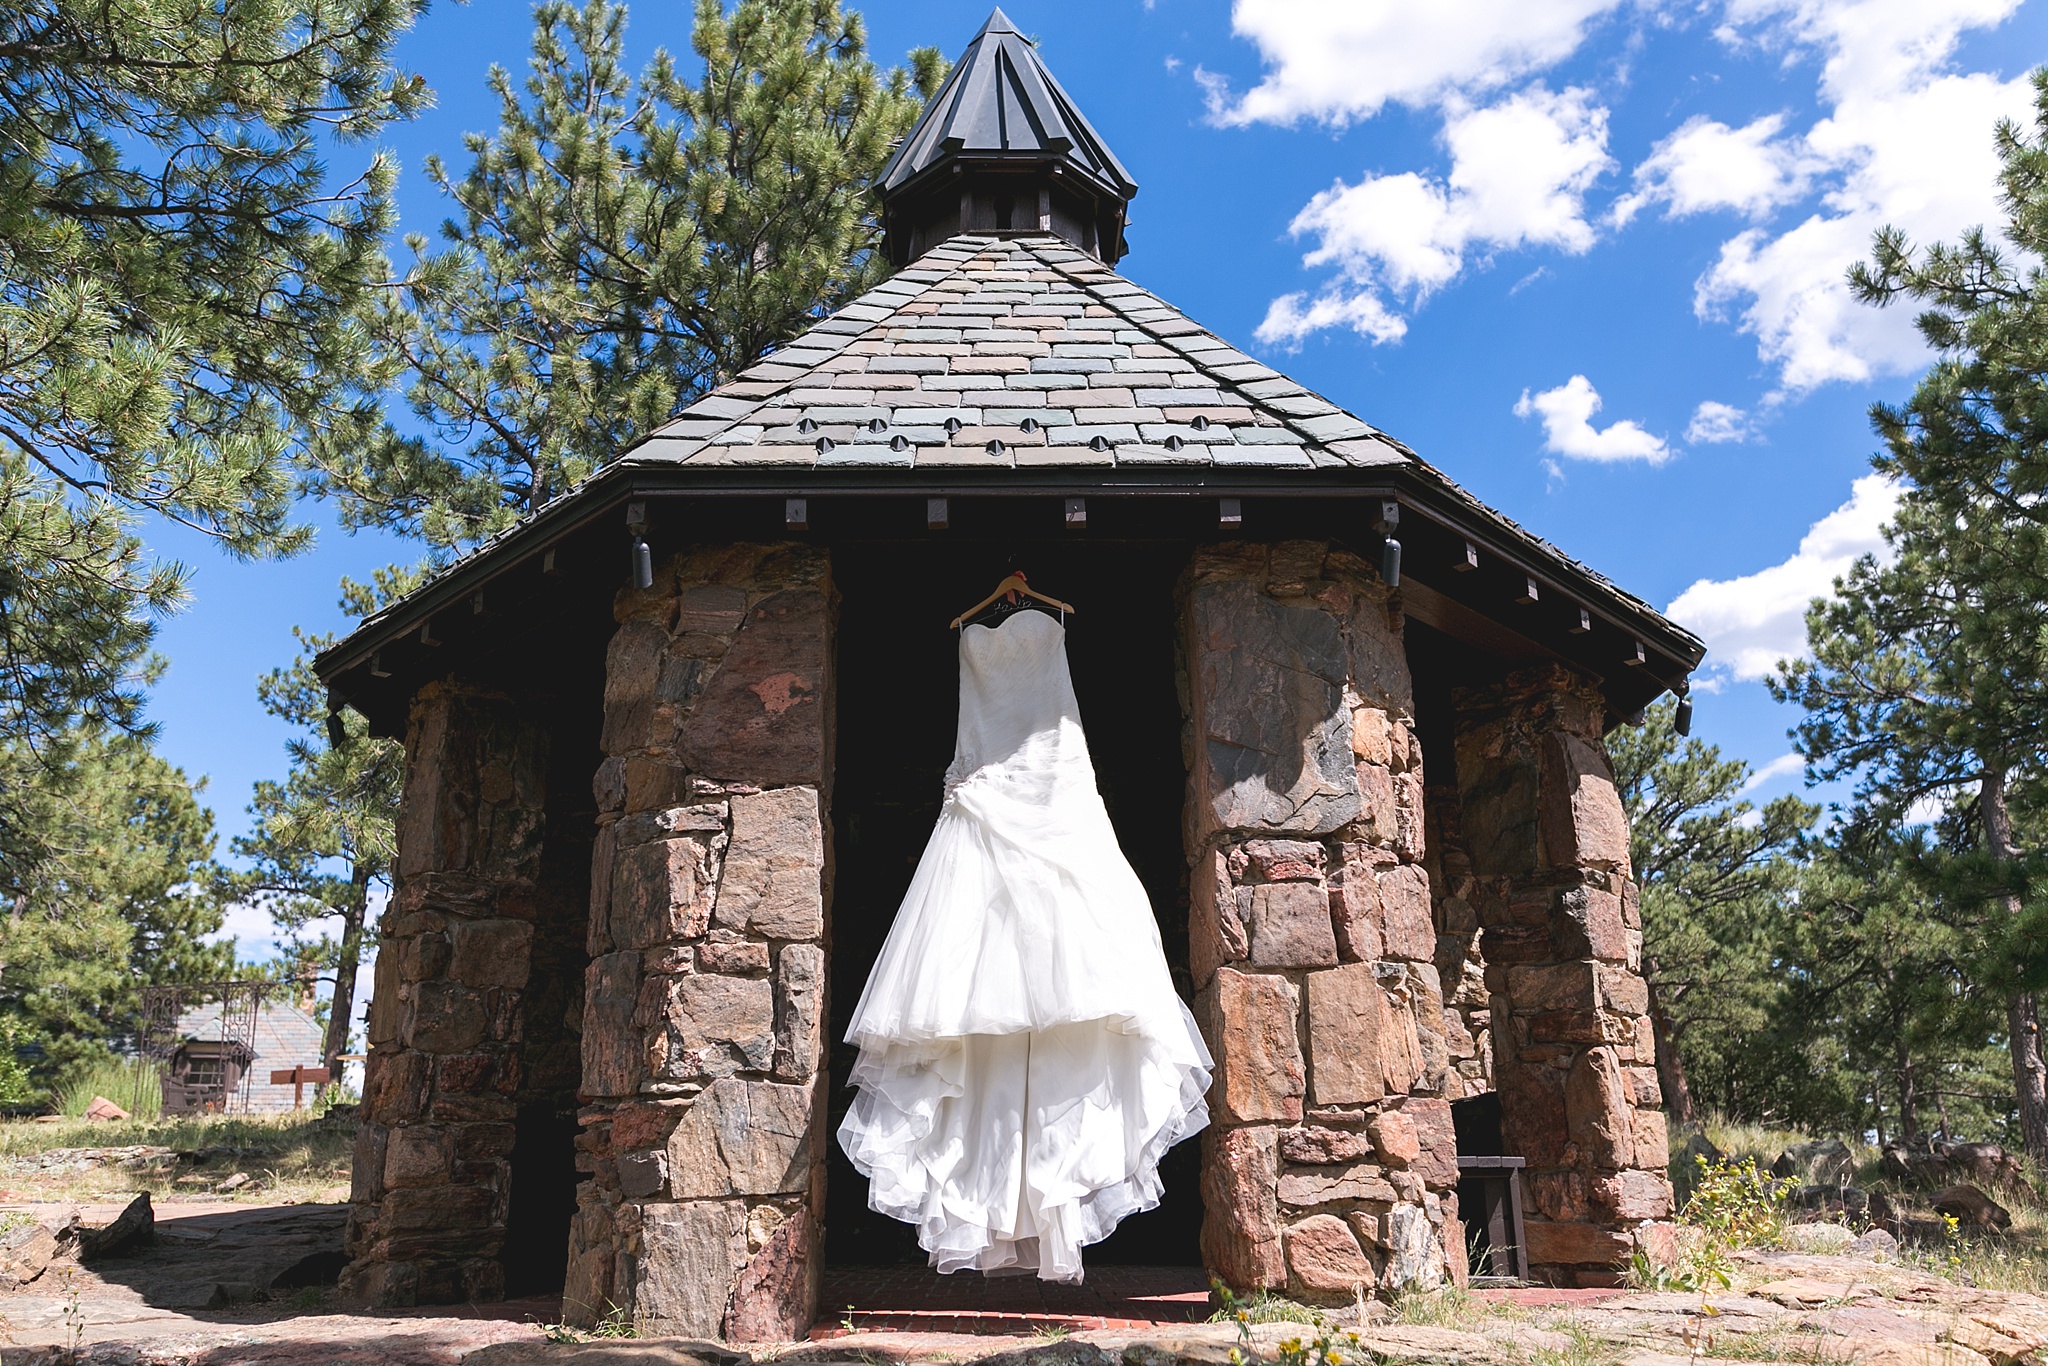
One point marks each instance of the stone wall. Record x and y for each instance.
(1460, 964)
(703, 1043)
(432, 1159)
(1573, 1060)
(1330, 1163)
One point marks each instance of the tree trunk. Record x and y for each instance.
(344, 1002)
(2022, 1011)
(1678, 1101)
(1909, 1100)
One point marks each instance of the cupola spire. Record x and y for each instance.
(1003, 149)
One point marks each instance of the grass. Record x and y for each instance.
(1262, 1306)
(290, 1157)
(134, 1084)
(1447, 1307)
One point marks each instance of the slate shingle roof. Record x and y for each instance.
(1007, 353)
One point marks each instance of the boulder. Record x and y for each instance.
(1971, 1208)
(1877, 1245)
(1824, 1162)
(24, 1253)
(608, 1352)
(103, 1109)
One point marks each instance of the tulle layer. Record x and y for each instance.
(1024, 1061)
(1012, 1152)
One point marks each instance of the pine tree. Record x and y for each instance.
(1929, 676)
(178, 278)
(338, 805)
(109, 887)
(621, 246)
(1714, 873)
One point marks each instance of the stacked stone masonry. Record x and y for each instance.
(703, 1040)
(1330, 1165)
(432, 1170)
(1545, 864)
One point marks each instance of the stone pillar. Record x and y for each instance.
(432, 1153)
(1330, 1163)
(1573, 1059)
(703, 1031)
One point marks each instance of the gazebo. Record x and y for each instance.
(674, 742)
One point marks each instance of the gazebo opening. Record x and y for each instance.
(896, 702)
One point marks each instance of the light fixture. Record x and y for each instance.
(1682, 717)
(1469, 561)
(936, 514)
(643, 564)
(1390, 550)
(1229, 513)
(796, 514)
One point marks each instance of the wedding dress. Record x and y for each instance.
(1024, 1060)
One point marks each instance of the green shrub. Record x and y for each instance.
(134, 1084)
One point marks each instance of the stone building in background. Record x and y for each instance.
(674, 743)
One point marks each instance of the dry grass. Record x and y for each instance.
(287, 1158)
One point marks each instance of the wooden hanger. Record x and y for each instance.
(1013, 584)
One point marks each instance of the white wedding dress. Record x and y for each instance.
(1024, 1060)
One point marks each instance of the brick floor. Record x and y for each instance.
(915, 1299)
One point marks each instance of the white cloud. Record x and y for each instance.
(1715, 423)
(1340, 62)
(1520, 170)
(1777, 768)
(1906, 142)
(1707, 165)
(1567, 413)
(1752, 622)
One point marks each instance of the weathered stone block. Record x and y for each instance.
(645, 1124)
(1410, 927)
(709, 1026)
(1597, 1112)
(1652, 1136)
(1415, 1254)
(743, 1138)
(1631, 1196)
(1584, 824)
(1587, 924)
(1394, 1137)
(395, 1086)
(587, 1295)
(1250, 1024)
(446, 1017)
(490, 953)
(1313, 1145)
(746, 958)
(366, 1165)
(1273, 733)
(1532, 1110)
(1306, 1187)
(1560, 1195)
(1370, 738)
(1438, 1141)
(773, 885)
(1355, 905)
(689, 1256)
(662, 891)
(1240, 1212)
(643, 1176)
(632, 662)
(1555, 1244)
(614, 1058)
(760, 717)
(1288, 925)
(1348, 1022)
(1324, 1260)
(1284, 860)
(776, 1295)
(799, 1012)
(1215, 934)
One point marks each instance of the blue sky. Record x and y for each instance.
(1586, 256)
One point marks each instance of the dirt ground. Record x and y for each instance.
(242, 1285)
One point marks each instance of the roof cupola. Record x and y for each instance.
(1003, 150)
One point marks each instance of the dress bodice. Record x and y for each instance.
(1017, 705)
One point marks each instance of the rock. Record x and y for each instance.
(773, 885)
(1796, 1292)
(1241, 1215)
(742, 1138)
(1887, 1352)
(1877, 1245)
(1971, 1208)
(1323, 1185)
(1348, 1019)
(24, 1254)
(714, 1026)
(1989, 1167)
(133, 1230)
(1393, 1134)
(1250, 1019)
(767, 1303)
(609, 1352)
(688, 1254)
(1557, 1244)
(1824, 1162)
(235, 1182)
(1071, 1352)
(1324, 1259)
(1289, 926)
(1312, 1146)
(1817, 1238)
(103, 1109)
(1849, 1200)
(1415, 1254)
(1410, 1342)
